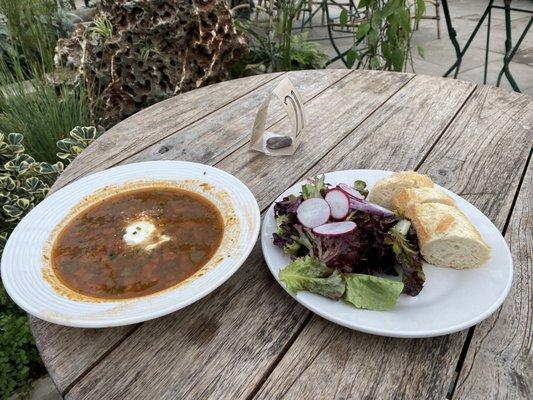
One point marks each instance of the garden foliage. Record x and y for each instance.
(24, 182)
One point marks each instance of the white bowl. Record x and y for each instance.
(29, 280)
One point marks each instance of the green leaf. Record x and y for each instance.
(409, 261)
(371, 292)
(420, 51)
(385, 48)
(7, 183)
(397, 59)
(310, 190)
(362, 30)
(390, 7)
(360, 186)
(420, 9)
(65, 144)
(280, 220)
(363, 3)
(351, 56)
(310, 274)
(377, 19)
(47, 168)
(374, 63)
(343, 18)
(84, 133)
(23, 203)
(15, 138)
(13, 212)
(372, 39)
(291, 249)
(405, 19)
(33, 184)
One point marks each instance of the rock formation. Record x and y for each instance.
(138, 52)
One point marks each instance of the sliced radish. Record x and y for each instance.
(313, 212)
(335, 228)
(339, 203)
(350, 191)
(368, 207)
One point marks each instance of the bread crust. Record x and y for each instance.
(440, 222)
(385, 189)
(408, 196)
(446, 236)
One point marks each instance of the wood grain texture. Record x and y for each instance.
(499, 361)
(231, 364)
(157, 122)
(69, 352)
(213, 138)
(219, 347)
(403, 131)
(58, 343)
(344, 364)
(331, 116)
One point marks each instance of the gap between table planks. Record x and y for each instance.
(499, 361)
(409, 163)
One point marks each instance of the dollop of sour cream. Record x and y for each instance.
(144, 233)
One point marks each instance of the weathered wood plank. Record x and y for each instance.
(485, 169)
(58, 343)
(210, 140)
(157, 122)
(499, 361)
(68, 352)
(331, 117)
(229, 365)
(219, 342)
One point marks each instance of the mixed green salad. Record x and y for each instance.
(341, 246)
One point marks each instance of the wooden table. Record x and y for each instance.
(249, 339)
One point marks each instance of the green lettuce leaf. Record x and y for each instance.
(408, 257)
(310, 274)
(291, 249)
(311, 190)
(371, 292)
(280, 220)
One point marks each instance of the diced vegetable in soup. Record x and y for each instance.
(137, 243)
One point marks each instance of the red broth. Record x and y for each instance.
(92, 257)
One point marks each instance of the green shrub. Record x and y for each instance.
(383, 40)
(19, 359)
(44, 113)
(40, 103)
(24, 182)
(80, 138)
(274, 48)
(30, 29)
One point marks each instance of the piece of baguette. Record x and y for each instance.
(446, 237)
(406, 197)
(385, 189)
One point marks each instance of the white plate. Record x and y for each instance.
(23, 264)
(451, 300)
